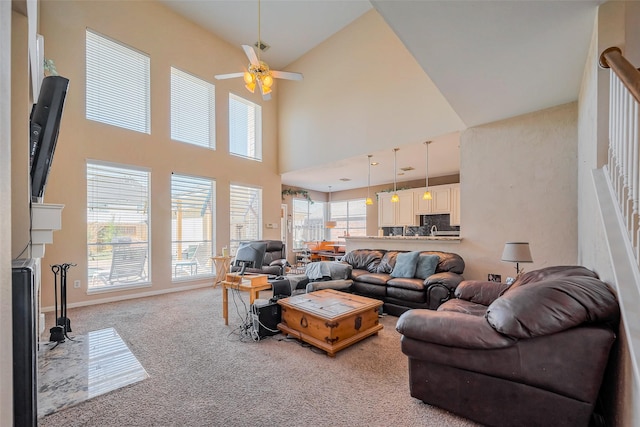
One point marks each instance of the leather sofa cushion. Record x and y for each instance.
(451, 329)
(406, 283)
(462, 306)
(480, 291)
(364, 259)
(388, 261)
(373, 278)
(448, 261)
(542, 308)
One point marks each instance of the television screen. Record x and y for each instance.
(44, 127)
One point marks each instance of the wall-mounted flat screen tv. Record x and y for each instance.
(44, 127)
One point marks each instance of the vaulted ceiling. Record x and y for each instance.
(490, 59)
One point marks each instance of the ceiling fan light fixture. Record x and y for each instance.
(251, 87)
(265, 90)
(267, 80)
(249, 77)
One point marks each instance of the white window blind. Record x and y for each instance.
(192, 110)
(350, 217)
(117, 225)
(245, 214)
(308, 222)
(118, 84)
(192, 225)
(245, 128)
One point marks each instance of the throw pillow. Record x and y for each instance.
(426, 265)
(406, 264)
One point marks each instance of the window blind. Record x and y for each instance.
(192, 225)
(245, 214)
(245, 128)
(118, 84)
(117, 223)
(192, 110)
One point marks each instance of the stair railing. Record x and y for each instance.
(623, 164)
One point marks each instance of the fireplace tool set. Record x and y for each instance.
(63, 324)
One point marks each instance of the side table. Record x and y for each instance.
(252, 283)
(222, 264)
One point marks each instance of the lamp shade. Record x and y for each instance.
(516, 252)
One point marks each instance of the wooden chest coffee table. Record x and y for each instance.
(329, 319)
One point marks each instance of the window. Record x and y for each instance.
(192, 110)
(117, 226)
(350, 217)
(308, 222)
(118, 88)
(246, 215)
(245, 128)
(192, 210)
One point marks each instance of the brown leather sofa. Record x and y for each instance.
(372, 278)
(532, 354)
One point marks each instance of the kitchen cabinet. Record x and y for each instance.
(392, 214)
(440, 202)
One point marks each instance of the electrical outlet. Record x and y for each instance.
(76, 284)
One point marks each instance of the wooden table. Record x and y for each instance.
(252, 283)
(329, 319)
(222, 264)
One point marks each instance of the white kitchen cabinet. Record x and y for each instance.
(440, 202)
(392, 214)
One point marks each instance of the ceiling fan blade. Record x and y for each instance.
(251, 54)
(286, 75)
(228, 76)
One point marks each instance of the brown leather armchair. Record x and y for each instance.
(532, 354)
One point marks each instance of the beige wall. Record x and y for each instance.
(170, 41)
(362, 91)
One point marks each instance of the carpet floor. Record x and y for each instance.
(203, 374)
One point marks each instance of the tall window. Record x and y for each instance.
(118, 88)
(245, 128)
(246, 215)
(192, 110)
(117, 226)
(192, 225)
(308, 222)
(350, 217)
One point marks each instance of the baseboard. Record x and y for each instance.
(127, 297)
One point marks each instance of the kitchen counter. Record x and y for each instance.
(401, 242)
(439, 238)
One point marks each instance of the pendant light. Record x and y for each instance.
(395, 198)
(330, 224)
(427, 193)
(369, 201)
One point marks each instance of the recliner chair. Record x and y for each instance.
(274, 262)
(530, 354)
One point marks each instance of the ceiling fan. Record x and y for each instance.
(258, 72)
